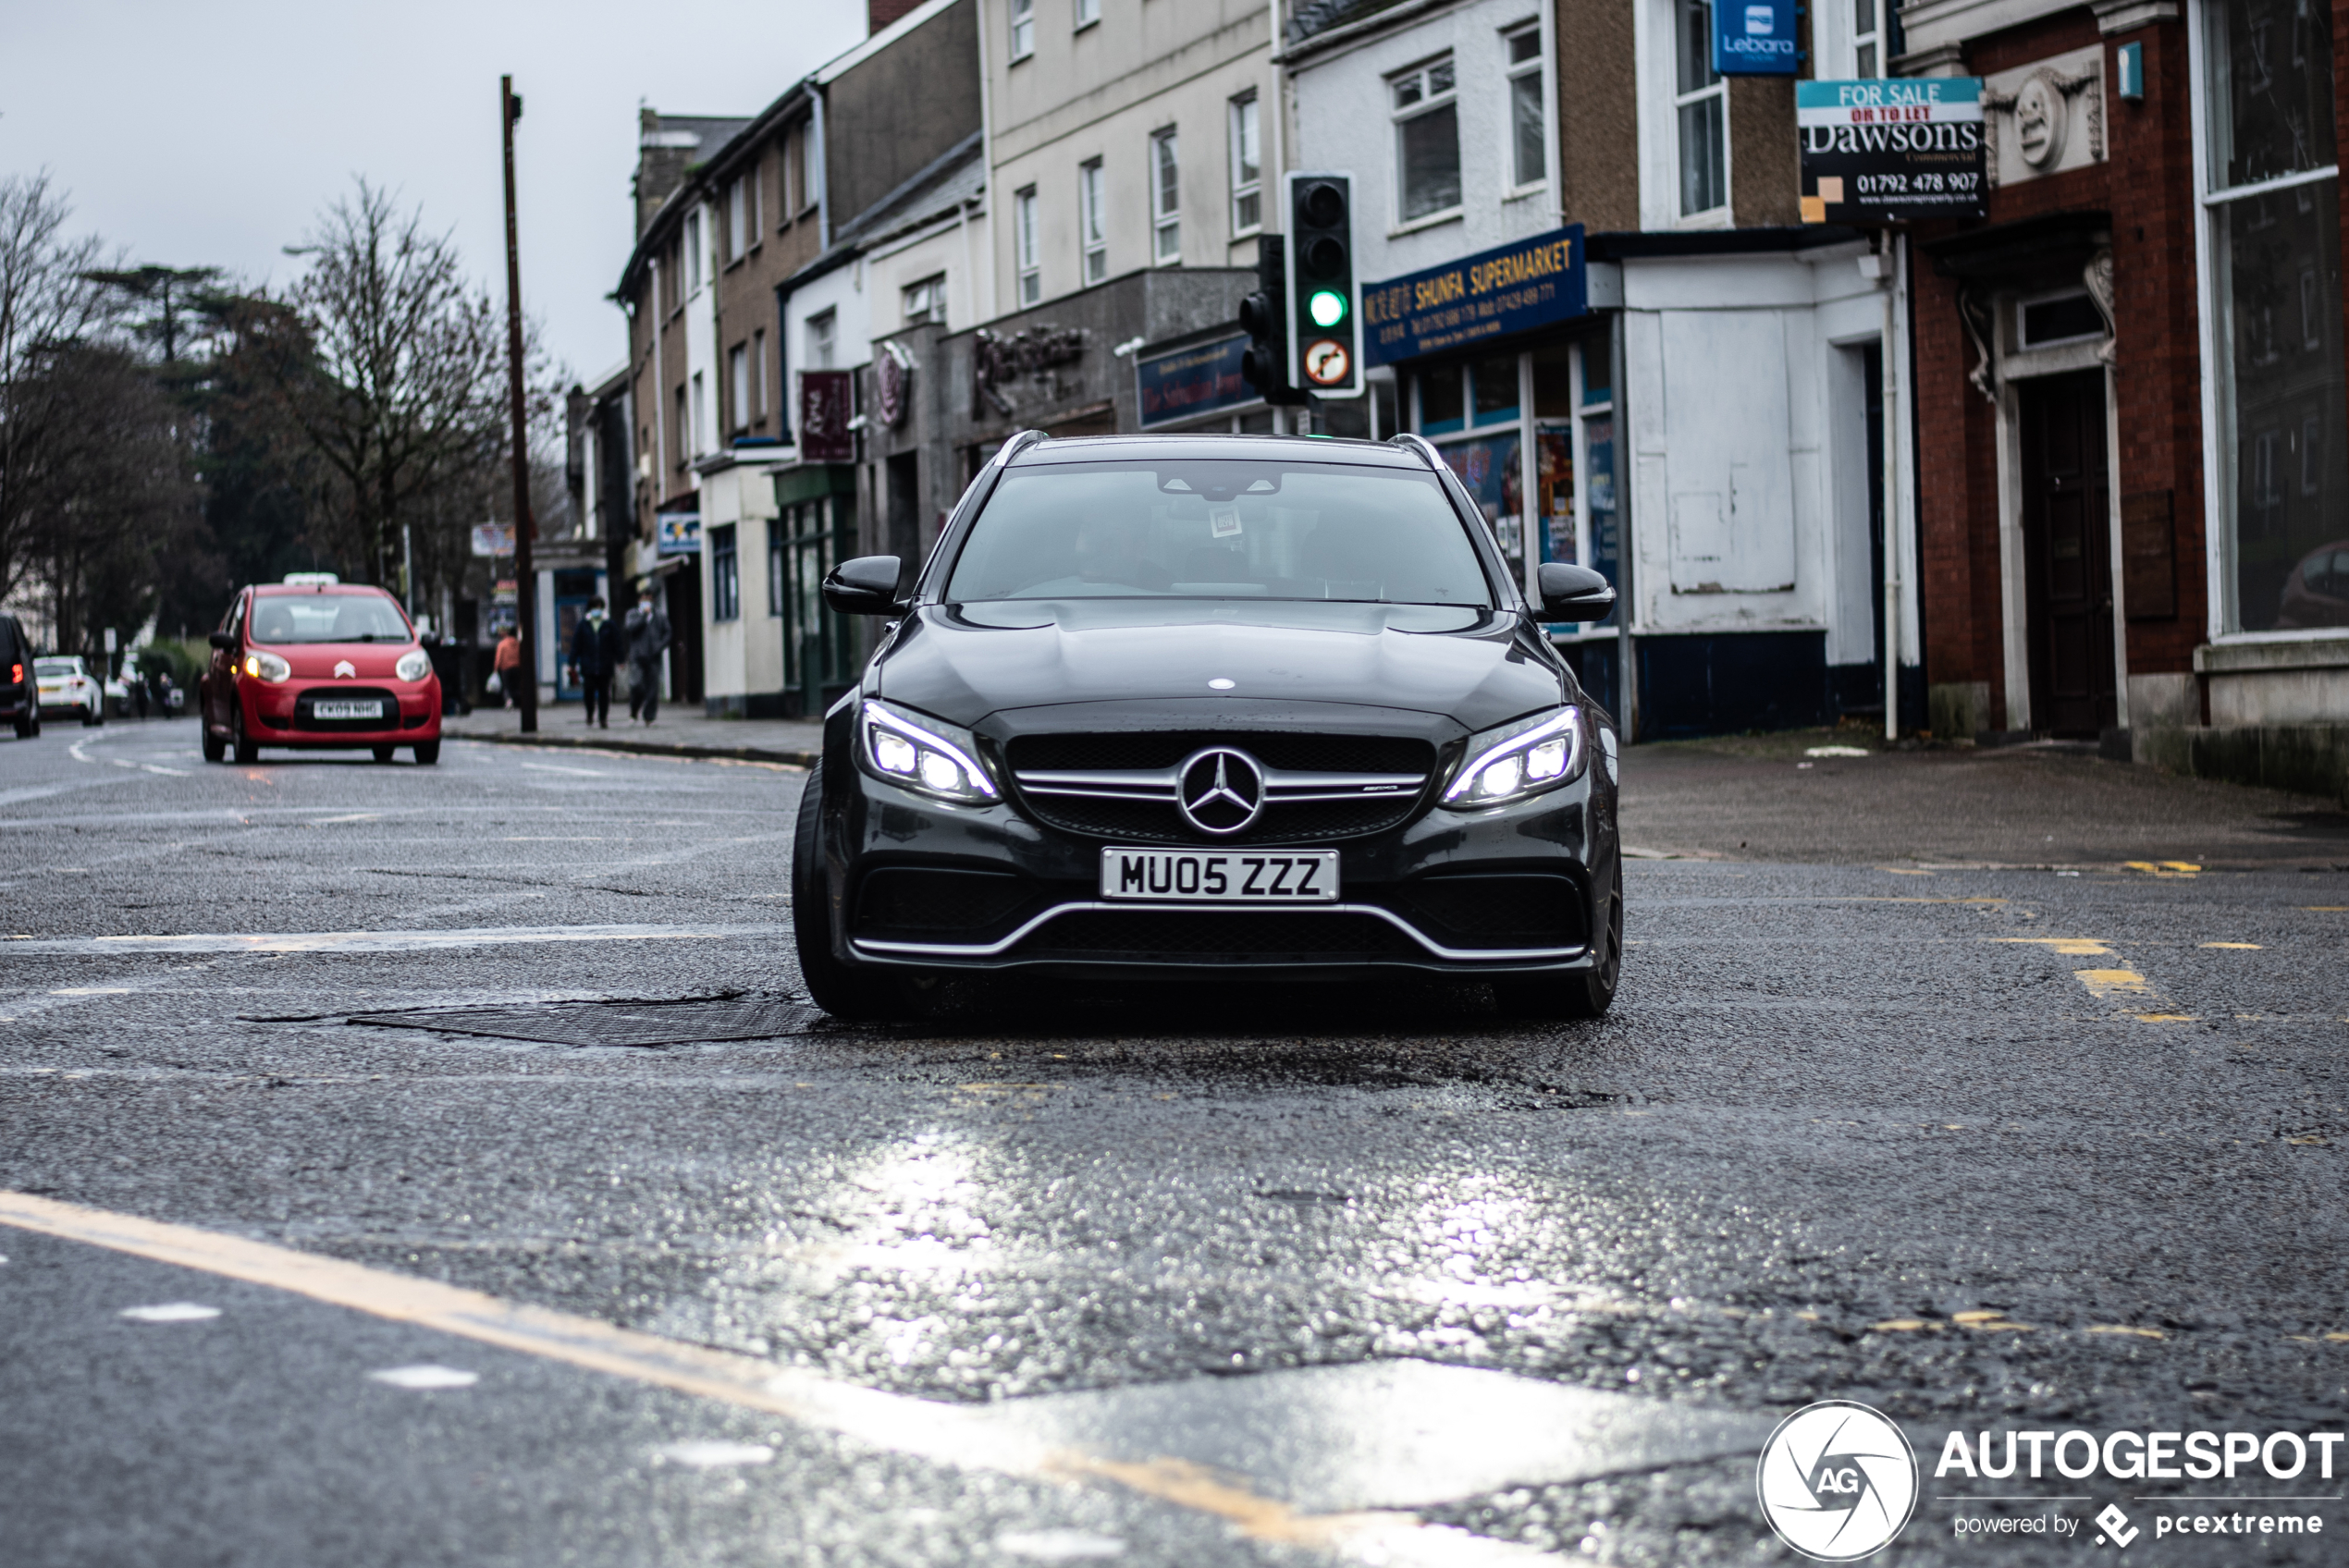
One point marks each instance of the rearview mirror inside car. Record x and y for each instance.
(1573, 593)
(867, 585)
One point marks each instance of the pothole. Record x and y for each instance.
(693, 1020)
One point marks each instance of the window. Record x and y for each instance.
(758, 361)
(1248, 170)
(793, 177)
(1529, 139)
(678, 424)
(1867, 37)
(925, 300)
(1427, 140)
(738, 387)
(1092, 227)
(820, 340)
(1702, 100)
(1031, 283)
(2274, 211)
(737, 219)
(692, 252)
(1166, 199)
(701, 414)
(756, 181)
(1023, 28)
(1087, 12)
(2062, 318)
(725, 575)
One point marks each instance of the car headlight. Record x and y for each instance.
(264, 666)
(1519, 759)
(415, 664)
(923, 753)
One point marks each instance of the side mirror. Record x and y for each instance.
(428, 640)
(1573, 593)
(867, 585)
(224, 640)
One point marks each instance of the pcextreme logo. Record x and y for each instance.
(1837, 1481)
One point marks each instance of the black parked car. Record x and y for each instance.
(1189, 705)
(20, 692)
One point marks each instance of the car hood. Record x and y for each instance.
(317, 661)
(964, 662)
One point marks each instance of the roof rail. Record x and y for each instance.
(1421, 445)
(1019, 441)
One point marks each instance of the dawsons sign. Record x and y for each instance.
(1881, 152)
(1512, 289)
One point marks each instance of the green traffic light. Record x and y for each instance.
(1327, 307)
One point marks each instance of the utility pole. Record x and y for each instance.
(525, 583)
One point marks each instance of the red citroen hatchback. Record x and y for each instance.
(312, 665)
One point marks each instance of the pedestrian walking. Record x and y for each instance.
(507, 664)
(592, 647)
(647, 640)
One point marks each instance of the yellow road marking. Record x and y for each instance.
(2070, 947)
(2234, 946)
(2125, 1329)
(2104, 983)
(960, 1436)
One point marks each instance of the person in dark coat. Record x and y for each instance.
(593, 644)
(647, 640)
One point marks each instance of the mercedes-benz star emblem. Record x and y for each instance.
(1221, 791)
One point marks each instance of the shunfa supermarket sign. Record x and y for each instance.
(1885, 152)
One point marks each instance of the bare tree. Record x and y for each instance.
(48, 305)
(391, 364)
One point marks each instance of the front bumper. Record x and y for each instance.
(915, 883)
(277, 716)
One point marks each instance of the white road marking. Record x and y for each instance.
(426, 1376)
(171, 1312)
(581, 772)
(713, 1455)
(1060, 1545)
(381, 941)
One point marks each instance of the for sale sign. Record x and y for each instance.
(1884, 151)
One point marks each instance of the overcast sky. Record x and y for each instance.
(211, 134)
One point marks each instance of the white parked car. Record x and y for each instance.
(66, 687)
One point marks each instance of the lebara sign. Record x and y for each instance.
(1513, 288)
(1190, 382)
(1754, 37)
(1882, 152)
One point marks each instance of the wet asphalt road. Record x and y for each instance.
(2007, 1147)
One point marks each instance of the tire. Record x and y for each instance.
(850, 994)
(215, 748)
(92, 718)
(383, 754)
(28, 726)
(428, 753)
(248, 751)
(1584, 994)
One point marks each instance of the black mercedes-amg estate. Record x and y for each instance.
(1177, 706)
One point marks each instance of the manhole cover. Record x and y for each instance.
(613, 1024)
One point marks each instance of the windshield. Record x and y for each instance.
(1219, 530)
(327, 617)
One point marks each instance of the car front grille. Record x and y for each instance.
(1123, 786)
(306, 717)
(1217, 935)
(936, 901)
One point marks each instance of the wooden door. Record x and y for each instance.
(2067, 542)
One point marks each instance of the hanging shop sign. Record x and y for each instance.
(1191, 382)
(677, 533)
(893, 384)
(1514, 288)
(493, 539)
(1754, 39)
(1888, 151)
(826, 399)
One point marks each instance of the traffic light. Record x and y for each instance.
(1264, 317)
(1324, 316)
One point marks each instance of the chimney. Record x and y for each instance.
(878, 13)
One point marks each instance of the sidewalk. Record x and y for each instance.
(677, 734)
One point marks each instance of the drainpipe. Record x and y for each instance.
(823, 172)
(1892, 359)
